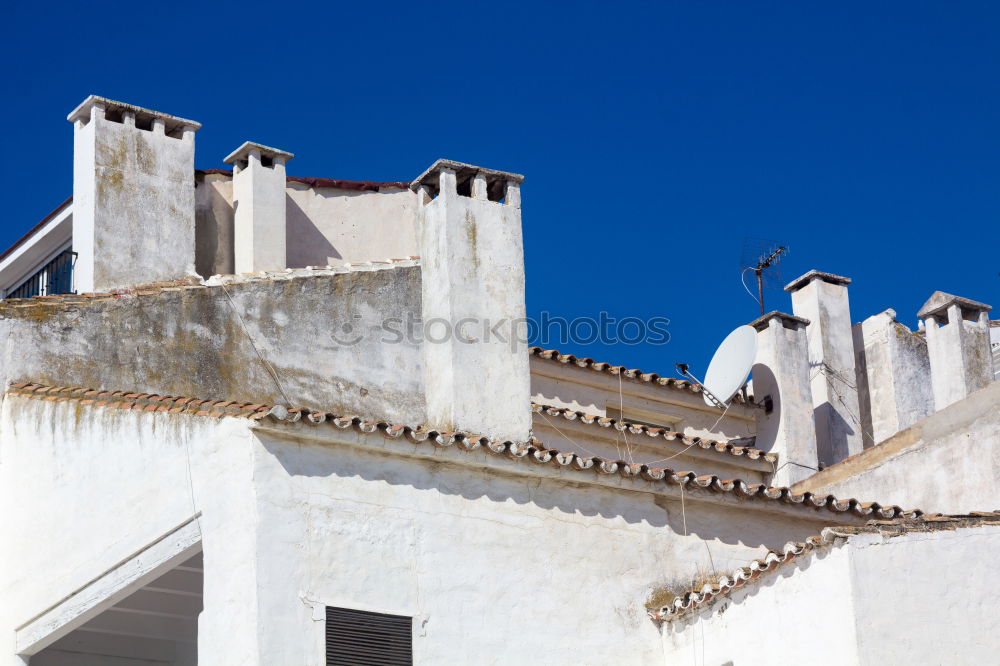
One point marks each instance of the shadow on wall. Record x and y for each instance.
(729, 524)
(740, 594)
(306, 245)
(765, 385)
(833, 447)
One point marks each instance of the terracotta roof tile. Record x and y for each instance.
(619, 370)
(653, 432)
(699, 596)
(470, 441)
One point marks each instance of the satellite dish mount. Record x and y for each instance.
(729, 368)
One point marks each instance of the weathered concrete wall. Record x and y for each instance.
(214, 225)
(584, 390)
(476, 375)
(894, 376)
(478, 548)
(859, 603)
(822, 299)
(948, 462)
(207, 342)
(133, 210)
(958, 343)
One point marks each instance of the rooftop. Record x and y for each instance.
(698, 597)
(533, 451)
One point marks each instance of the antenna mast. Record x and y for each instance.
(762, 263)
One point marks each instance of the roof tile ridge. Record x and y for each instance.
(653, 431)
(533, 449)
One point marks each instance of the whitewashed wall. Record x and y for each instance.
(919, 598)
(84, 488)
(948, 462)
(499, 562)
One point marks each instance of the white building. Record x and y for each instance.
(333, 489)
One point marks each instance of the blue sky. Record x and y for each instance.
(655, 138)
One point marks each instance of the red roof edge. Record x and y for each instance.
(33, 230)
(360, 185)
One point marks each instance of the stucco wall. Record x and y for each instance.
(802, 613)
(83, 488)
(948, 462)
(499, 562)
(324, 225)
(918, 598)
(478, 548)
(328, 226)
(214, 225)
(197, 342)
(133, 205)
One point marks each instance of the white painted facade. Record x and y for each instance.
(948, 462)
(294, 517)
(919, 598)
(516, 504)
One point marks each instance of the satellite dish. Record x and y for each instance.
(730, 366)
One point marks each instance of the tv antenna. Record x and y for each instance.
(758, 256)
(729, 368)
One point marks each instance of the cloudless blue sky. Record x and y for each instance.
(655, 137)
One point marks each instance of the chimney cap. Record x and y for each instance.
(83, 111)
(787, 320)
(463, 172)
(814, 274)
(265, 151)
(940, 301)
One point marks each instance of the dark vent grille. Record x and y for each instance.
(362, 638)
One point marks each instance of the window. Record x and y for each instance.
(55, 277)
(363, 638)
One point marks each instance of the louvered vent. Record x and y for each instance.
(362, 638)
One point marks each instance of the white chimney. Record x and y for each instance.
(133, 195)
(958, 341)
(894, 376)
(781, 384)
(259, 233)
(822, 299)
(472, 267)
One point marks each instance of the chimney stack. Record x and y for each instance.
(259, 200)
(133, 195)
(894, 387)
(958, 342)
(472, 267)
(781, 383)
(822, 299)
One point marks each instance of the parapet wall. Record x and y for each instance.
(269, 340)
(328, 222)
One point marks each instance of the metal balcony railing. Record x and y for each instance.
(55, 277)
